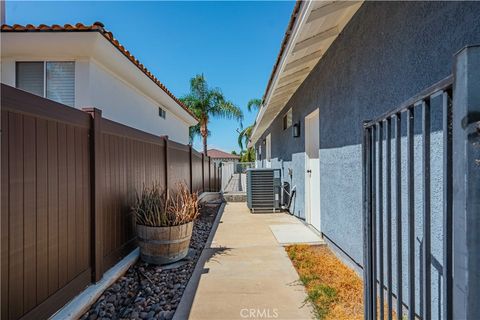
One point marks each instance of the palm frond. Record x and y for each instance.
(195, 105)
(199, 87)
(194, 131)
(229, 111)
(244, 136)
(240, 140)
(254, 104)
(220, 107)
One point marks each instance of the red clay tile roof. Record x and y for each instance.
(98, 27)
(219, 154)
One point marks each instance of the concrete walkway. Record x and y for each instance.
(238, 183)
(245, 273)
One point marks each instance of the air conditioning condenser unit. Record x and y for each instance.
(263, 190)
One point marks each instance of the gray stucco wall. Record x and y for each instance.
(387, 53)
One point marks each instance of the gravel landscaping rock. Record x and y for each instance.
(150, 291)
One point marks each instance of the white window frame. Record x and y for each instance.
(45, 61)
(162, 112)
(288, 116)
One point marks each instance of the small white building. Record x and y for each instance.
(219, 156)
(85, 66)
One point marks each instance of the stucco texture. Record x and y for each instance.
(387, 53)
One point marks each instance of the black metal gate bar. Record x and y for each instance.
(444, 84)
(411, 213)
(398, 202)
(373, 222)
(375, 175)
(447, 206)
(426, 281)
(367, 272)
(388, 173)
(380, 216)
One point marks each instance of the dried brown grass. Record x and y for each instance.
(335, 291)
(156, 207)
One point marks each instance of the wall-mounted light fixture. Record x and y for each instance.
(296, 129)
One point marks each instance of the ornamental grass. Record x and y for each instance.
(155, 207)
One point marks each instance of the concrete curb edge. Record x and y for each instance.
(184, 307)
(82, 302)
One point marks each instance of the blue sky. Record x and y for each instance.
(234, 44)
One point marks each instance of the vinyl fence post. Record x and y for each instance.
(203, 172)
(220, 176)
(96, 192)
(165, 139)
(214, 176)
(191, 167)
(209, 174)
(217, 175)
(466, 184)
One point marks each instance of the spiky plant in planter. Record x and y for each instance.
(165, 223)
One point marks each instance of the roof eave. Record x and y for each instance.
(99, 27)
(312, 28)
(287, 39)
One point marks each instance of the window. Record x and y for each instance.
(53, 80)
(30, 77)
(287, 119)
(162, 113)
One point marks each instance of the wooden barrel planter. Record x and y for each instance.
(163, 245)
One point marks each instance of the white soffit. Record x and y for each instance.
(317, 25)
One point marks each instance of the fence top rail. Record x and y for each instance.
(19, 101)
(178, 146)
(245, 163)
(117, 129)
(442, 85)
(197, 154)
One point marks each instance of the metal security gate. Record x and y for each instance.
(389, 185)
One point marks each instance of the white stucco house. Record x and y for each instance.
(85, 66)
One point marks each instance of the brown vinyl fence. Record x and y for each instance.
(68, 180)
(197, 171)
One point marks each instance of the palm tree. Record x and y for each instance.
(248, 156)
(205, 103)
(245, 134)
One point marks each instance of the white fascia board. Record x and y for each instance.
(299, 23)
(251, 142)
(293, 39)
